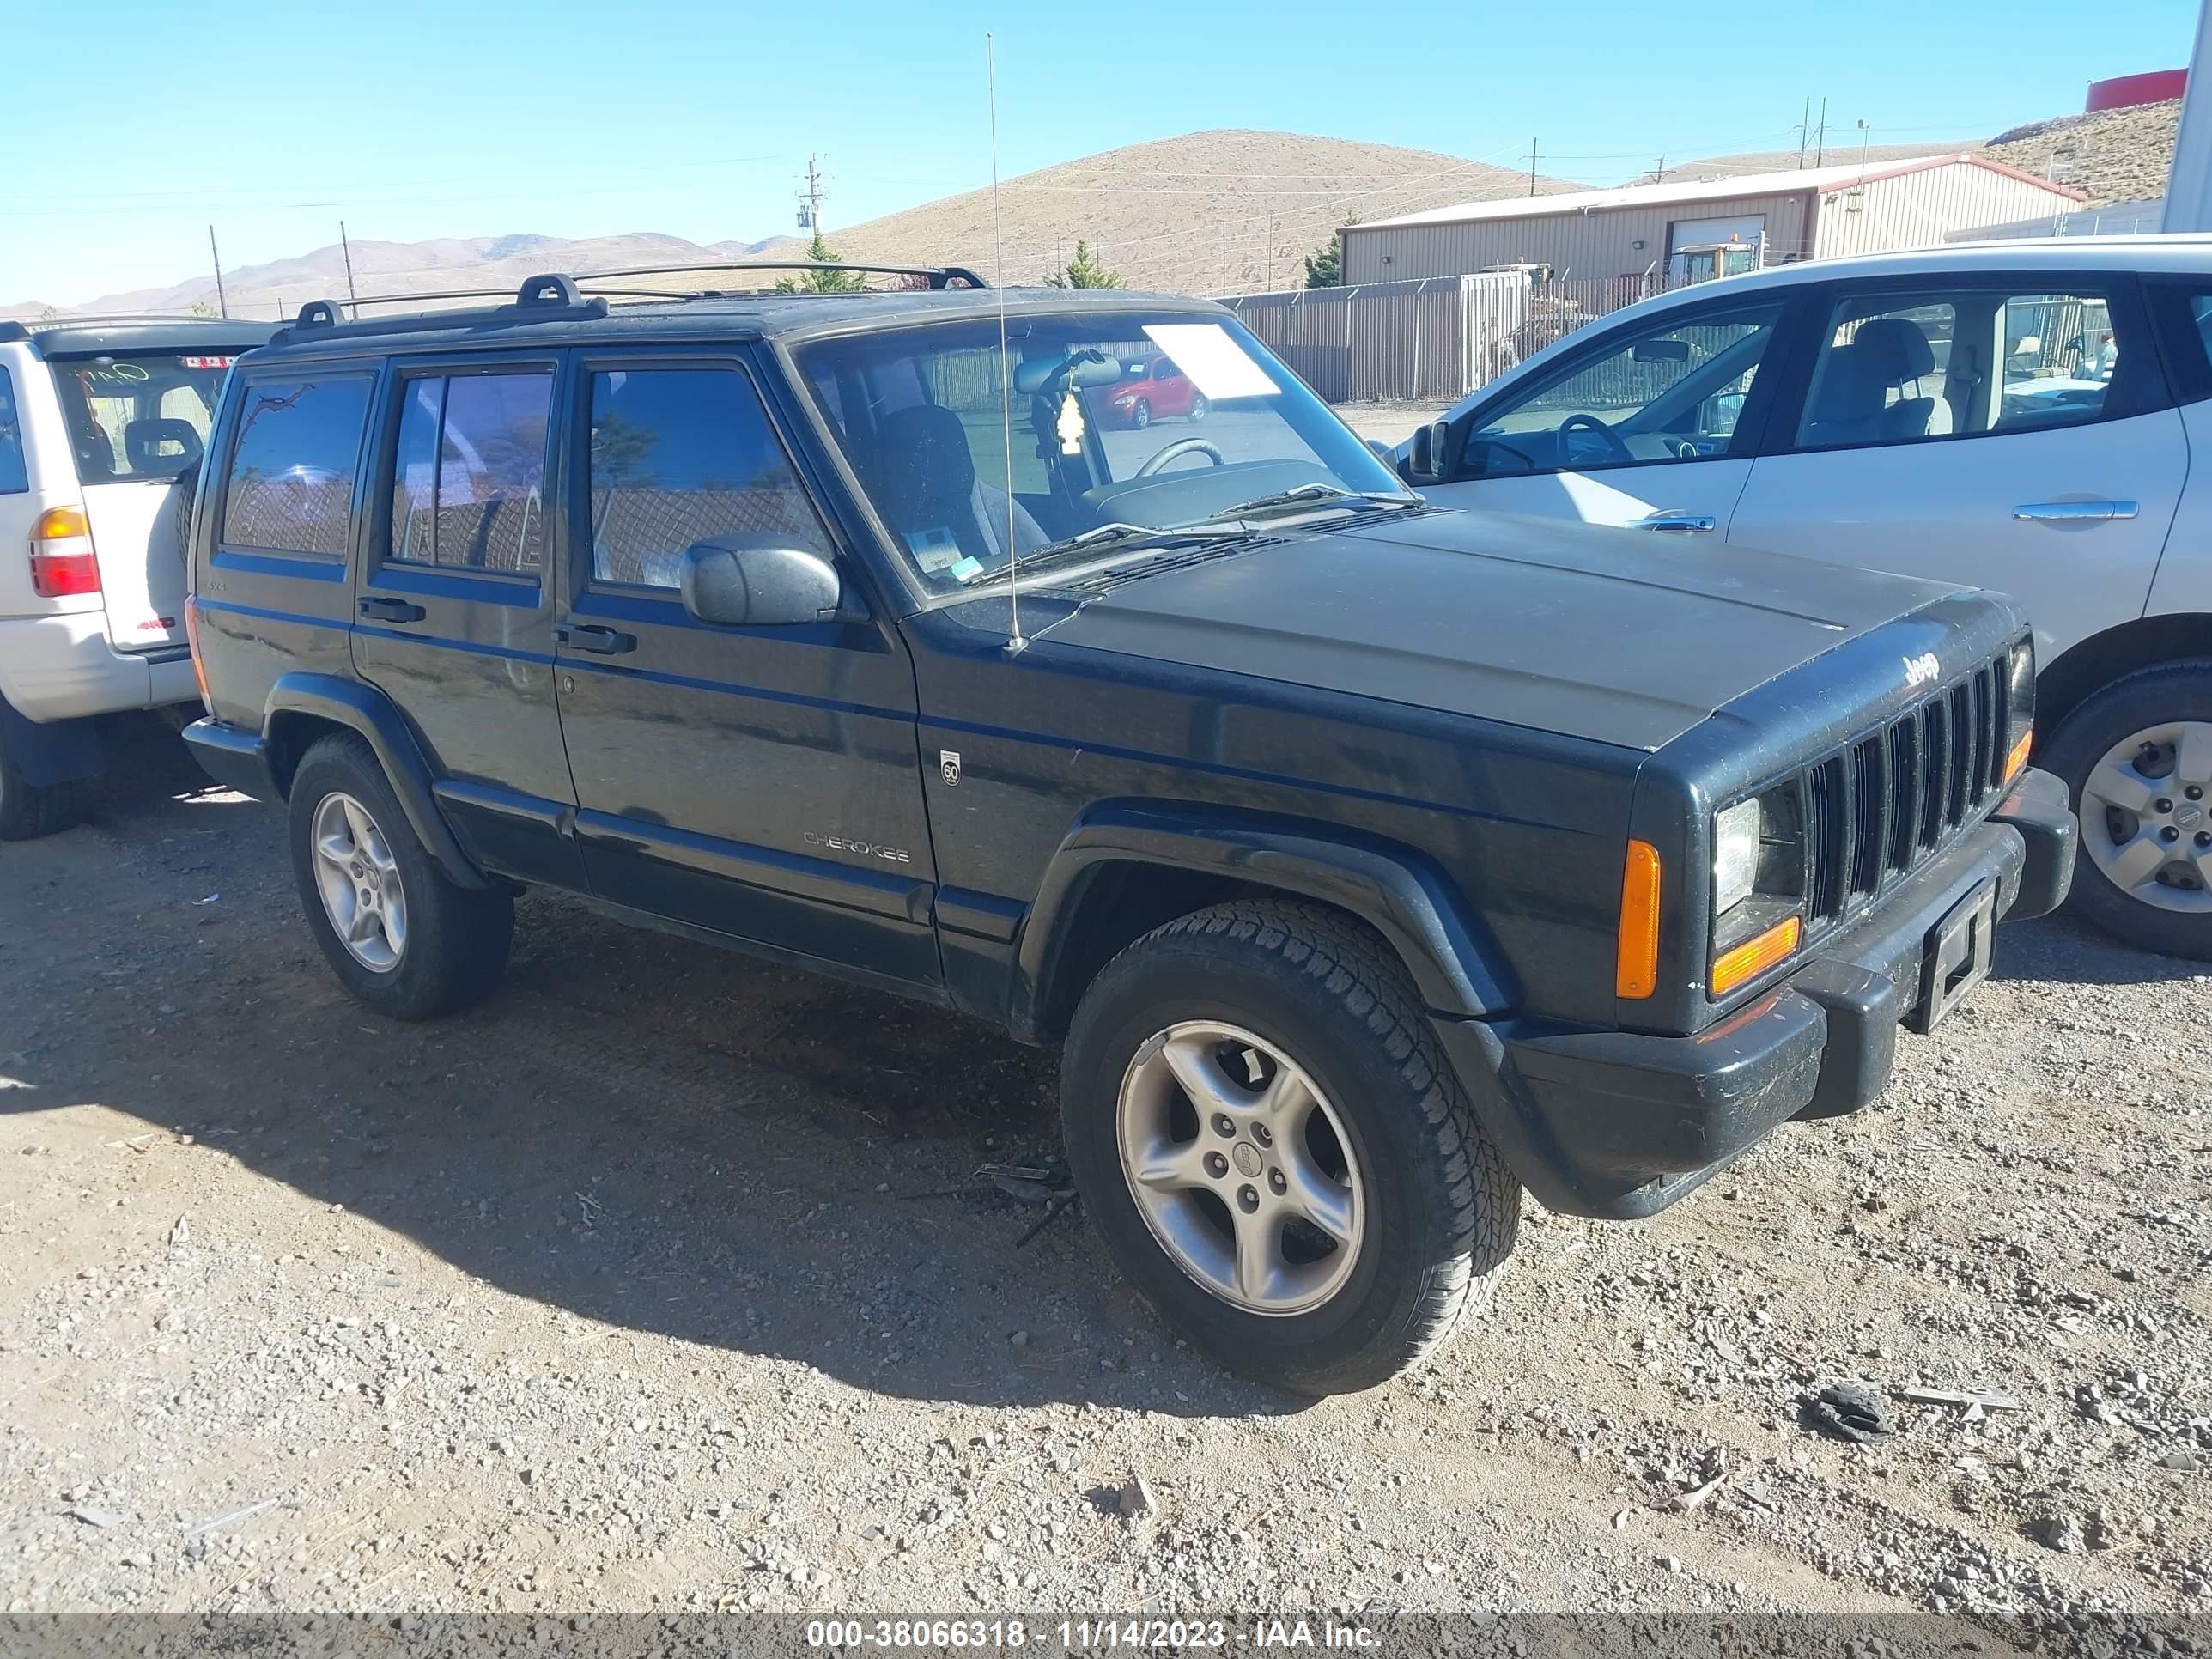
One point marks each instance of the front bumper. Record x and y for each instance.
(1618, 1124)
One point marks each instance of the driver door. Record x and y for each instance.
(1651, 423)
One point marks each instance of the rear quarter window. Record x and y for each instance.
(292, 465)
(15, 474)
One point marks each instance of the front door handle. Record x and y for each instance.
(591, 636)
(2074, 511)
(392, 610)
(1678, 524)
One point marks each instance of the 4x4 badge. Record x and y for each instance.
(948, 763)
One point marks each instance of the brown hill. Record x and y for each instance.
(1226, 211)
(2118, 156)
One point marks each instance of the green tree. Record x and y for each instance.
(1084, 271)
(1325, 266)
(822, 282)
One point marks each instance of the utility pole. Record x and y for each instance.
(1804, 128)
(1532, 166)
(221, 300)
(814, 193)
(346, 248)
(1821, 154)
(1659, 172)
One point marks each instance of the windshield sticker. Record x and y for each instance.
(932, 550)
(1212, 360)
(966, 570)
(1071, 424)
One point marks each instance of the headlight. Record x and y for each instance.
(1737, 835)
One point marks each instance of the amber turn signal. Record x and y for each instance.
(1636, 972)
(2018, 758)
(1755, 955)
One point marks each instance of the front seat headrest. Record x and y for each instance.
(924, 471)
(1895, 348)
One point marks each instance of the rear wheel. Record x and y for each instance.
(29, 811)
(400, 935)
(1275, 1151)
(1141, 415)
(2137, 757)
(1199, 406)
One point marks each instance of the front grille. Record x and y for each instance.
(1882, 805)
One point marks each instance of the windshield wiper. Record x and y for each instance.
(1307, 493)
(1101, 537)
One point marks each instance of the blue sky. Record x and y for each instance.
(697, 119)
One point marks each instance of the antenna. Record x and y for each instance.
(1005, 380)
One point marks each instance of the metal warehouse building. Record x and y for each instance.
(1660, 235)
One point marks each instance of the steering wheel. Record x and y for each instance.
(1181, 446)
(1614, 449)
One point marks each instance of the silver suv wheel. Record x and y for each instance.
(1241, 1168)
(359, 881)
(2147, 815)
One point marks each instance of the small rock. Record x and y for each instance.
(2062, 1533)
(1851, 1411)
(2187, 1462)
(181, 1233)
(92, 1518)
(1021, 1339)
(1136, 1499)
(1672, 1563)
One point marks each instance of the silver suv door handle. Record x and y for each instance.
(2074, 511)
(1678, 524)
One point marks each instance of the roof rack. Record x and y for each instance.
(554, 297)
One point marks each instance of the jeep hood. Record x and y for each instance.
(1621, 636)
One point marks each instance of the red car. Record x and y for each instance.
(1153, 388)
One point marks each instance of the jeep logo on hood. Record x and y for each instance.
(1922, 670)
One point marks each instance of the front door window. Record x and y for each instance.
(1673, 391)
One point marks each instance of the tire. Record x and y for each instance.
(1432, 1207)
(29, 810)
(2157, 706)
(1141, 415)
(1199, 407)
(452, 941)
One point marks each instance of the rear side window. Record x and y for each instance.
(682, 456)
(15, 475)
(292, 467)
(468, 490)
(137, 418)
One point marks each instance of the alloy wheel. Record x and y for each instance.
(359, 881)
(1241, 1168)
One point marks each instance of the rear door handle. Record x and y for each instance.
(590, 636)
(392, 610)
(1679, 524)
(2074, 511)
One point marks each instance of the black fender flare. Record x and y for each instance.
(367, 711)
(1457, 968)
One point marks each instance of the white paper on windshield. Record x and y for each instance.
(1216, 364)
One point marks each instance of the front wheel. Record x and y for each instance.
(399, 934)
(2137, 757)
(1199, 407)
(1141, 415)
(1275, 1151)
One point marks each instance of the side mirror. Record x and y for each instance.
(738, 581)
(1383, 453)
(1425, 457)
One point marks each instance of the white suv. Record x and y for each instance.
(101, 425)
(2033, 416)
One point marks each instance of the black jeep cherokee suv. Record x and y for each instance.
(1369, 862)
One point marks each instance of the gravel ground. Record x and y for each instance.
(665, 1281)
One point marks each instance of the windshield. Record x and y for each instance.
(1127, 425)
(137, 418)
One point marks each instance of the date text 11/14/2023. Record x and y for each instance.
(1086, 1635)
